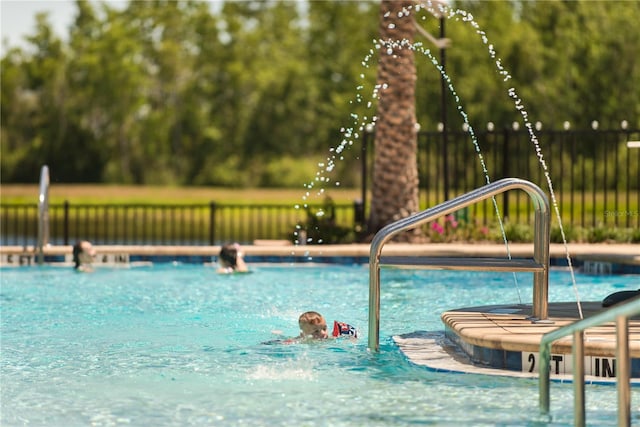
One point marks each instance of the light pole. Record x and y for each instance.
(438, 8)
(443, 112)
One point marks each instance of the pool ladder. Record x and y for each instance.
(43, 214)
(620, 313)
(538, 265)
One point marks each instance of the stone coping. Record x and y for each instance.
(507, 327)
(614, 253)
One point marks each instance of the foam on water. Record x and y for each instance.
(288, 371)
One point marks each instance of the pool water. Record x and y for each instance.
(178, 345)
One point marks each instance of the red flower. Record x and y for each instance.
(435, 226)
(451, 220)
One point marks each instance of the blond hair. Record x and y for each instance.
(311, 318)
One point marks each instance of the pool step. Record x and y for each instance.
(440, 263)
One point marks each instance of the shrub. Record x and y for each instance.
(320, 227)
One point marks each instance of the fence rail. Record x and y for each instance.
(161, 224)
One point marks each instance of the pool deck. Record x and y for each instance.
(494, 340)
(620, 254)
(507, 327)
(589, 258)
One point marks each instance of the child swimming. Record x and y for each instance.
(313, 326)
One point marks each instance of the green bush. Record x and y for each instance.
(320, 227)
(571, 234)
(602, 235)
(449, 229)
(518, 233)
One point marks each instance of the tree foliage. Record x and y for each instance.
(254, 93)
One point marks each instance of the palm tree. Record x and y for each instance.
(395, 171)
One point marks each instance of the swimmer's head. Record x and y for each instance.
(229, 255)
(83, 253)
(313, 325)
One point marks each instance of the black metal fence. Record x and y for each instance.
(161, 224)
(109, 224)
(595, 175)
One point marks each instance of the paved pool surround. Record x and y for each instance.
(607, 258)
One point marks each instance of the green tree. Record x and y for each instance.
(590, 63)
(33, 98)
(109, 89)
(255, 93)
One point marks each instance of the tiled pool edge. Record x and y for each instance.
(436, 352)
(511, 360)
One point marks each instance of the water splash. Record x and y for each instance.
(349, 135)
(418, 47)
(287, 371)
(439, 9)
(519, 106)
(388, 47)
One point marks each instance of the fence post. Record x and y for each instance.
(65, 224)
(212, 223)
(363, 168)
(358, 212)
(505, 172)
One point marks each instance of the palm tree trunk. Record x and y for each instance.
(395, 170)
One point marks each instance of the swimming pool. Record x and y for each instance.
(178, 345)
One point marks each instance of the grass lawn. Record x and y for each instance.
(94, 193)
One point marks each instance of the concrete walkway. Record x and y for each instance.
(615, 253)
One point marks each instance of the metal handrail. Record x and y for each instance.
(540, 252)
(43, 213)
(620, 313)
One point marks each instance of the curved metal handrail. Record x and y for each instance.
(540, 253)
(43, 213)
(620, 313)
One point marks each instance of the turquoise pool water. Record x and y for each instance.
(178, 345)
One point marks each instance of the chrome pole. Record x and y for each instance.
(623, 371)
(578, 378)
(43, 213)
